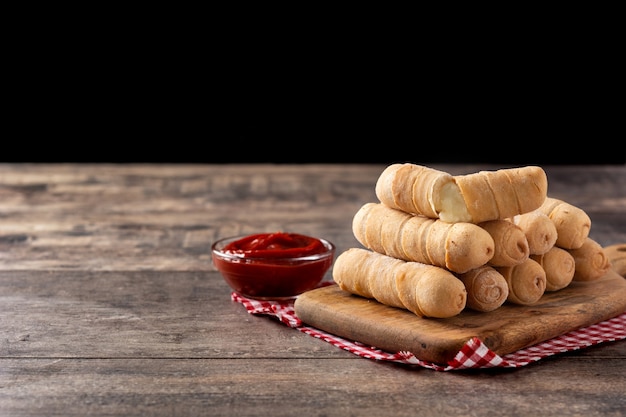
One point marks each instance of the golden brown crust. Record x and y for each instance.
(348, 274)
(510, 244)
(540, 232)
(426, 290)
(492, 195)
(527, 282)
(591, 261)
(572, 223)
(466, 247)
(457, 247)
(472, 198)
(430, 291)
(478, 197)
(531, 188)
(411, 188)
(486, 288)
(559, 266)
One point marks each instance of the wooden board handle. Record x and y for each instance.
(617, 256)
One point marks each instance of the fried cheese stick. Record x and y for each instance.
(559, 266)
(572, 223)
(591, 261)
(527, 282)
(426, 290)
(458, 247)
(486, 288)
(540, 231)
(510, 243)
(472, 198)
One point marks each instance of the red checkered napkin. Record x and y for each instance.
(473, 355)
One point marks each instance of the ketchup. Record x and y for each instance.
(276, 245)
(253, 265)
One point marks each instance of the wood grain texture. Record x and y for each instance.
(312, 387)
(133, 314)
(141, 217)
(617, 256)
(109, 304)
(504, 330)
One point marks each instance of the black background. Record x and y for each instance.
(199, 99)
(143, 118)
(124, 122)
(356, 137)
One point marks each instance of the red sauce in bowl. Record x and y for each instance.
(273, 265)
(276, 245)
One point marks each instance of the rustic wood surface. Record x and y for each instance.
(109, 304)
(505, 330)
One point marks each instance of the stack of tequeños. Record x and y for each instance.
(437, 243)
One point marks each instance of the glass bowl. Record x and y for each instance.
(271, 278)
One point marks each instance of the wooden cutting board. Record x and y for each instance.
(504, 330)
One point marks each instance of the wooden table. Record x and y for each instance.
(109, 304)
